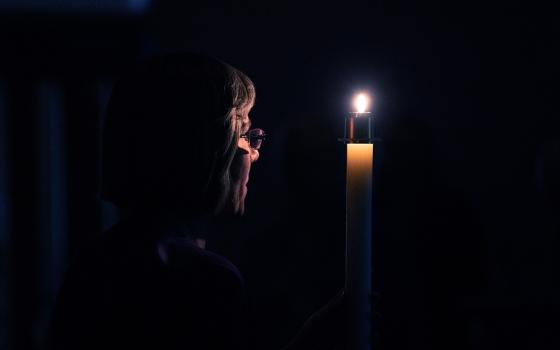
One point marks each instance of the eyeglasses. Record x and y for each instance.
(255, 137)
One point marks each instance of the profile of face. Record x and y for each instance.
(241, 165)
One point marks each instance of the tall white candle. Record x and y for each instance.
(359, 171)
(358, 243)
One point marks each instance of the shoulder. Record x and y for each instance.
(181, 256)
(171, 254)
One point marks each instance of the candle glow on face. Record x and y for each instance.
(361, 102)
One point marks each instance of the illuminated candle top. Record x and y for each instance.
(361, 103)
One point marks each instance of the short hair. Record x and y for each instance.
(171, 132)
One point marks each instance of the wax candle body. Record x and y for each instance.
(359, 170)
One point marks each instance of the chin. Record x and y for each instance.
(240, 210)
(235, 209)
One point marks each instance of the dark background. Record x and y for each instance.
(467, 171)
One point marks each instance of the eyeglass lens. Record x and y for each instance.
(256, 137)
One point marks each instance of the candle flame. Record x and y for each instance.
(361, 102)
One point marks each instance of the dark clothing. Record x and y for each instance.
(143, 287)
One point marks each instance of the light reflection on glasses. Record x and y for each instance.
(255, 138)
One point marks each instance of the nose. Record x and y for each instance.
(254, 155)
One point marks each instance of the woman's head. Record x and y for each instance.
(173, 132)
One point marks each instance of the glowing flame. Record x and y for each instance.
(361, 102)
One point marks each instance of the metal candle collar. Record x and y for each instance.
(358, 128)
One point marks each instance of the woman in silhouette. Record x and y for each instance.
(177, 153)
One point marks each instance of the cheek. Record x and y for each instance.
(240, 167)
(246, 166)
